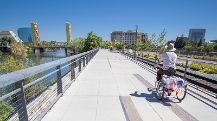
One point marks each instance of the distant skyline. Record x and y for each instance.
(104, 16)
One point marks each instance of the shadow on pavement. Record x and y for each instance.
(151, 97)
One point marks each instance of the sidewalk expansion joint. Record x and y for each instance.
(129, 109)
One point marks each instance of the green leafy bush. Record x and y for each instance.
(1, 53)
(205, 68)
(11, 64)
(151, 56)
(196, 66)
(119, 45)
(5, 110)
(182, 64)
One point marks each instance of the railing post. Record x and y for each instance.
(83, 61)
(79, 63)
(73, 64)
(59, 81)
(186, 67)
(22, 112)
(91, 54)
(86, 59)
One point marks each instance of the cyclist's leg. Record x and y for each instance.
(159, 74)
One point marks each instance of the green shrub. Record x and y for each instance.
(1, 53)
(52, 82)
(12, 63)
(119, 45)
(5, 110)
(182, 64)
(196, 66)
(205, 68)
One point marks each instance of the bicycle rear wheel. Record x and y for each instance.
(181, 94)
(160, 90)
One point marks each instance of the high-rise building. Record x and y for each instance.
(197, 35)
(25, 34)
(10, 34)
(128, 37)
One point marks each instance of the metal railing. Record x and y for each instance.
(28, 94)
(198, 79)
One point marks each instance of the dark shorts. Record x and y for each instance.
(161, 72)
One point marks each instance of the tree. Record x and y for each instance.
(5, 41)
(208, 48)
(92, 41)
(188, 48)
(18, 49)
(130, 46)
(11, 64)
(215, 47)
(153, 40)
(119, 45)
(161, 39)
(139, 46)
(78, 44)
(109, 43)
(200, 43)
(146, 43)
(180, 42)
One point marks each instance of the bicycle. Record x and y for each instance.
(177, 85)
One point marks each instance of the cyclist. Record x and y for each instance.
(168, 58)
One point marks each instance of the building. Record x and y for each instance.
(128, 37)
(213, 41)
(197, 35)
(25, 34)
(10, 34)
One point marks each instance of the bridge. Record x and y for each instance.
(39, 49)
(101, 86)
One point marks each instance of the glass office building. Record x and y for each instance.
(197, 35)
(25, 34)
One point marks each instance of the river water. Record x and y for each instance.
(46, 57)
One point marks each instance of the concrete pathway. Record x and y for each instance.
(112, 88)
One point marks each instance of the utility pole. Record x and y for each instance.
(136, 32)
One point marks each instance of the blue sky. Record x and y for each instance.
(104, 16)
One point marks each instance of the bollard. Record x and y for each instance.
(59, 81)
(22, 112)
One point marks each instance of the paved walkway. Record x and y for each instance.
(112, 88)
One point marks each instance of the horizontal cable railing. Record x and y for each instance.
(28, 94)
(200, 79)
